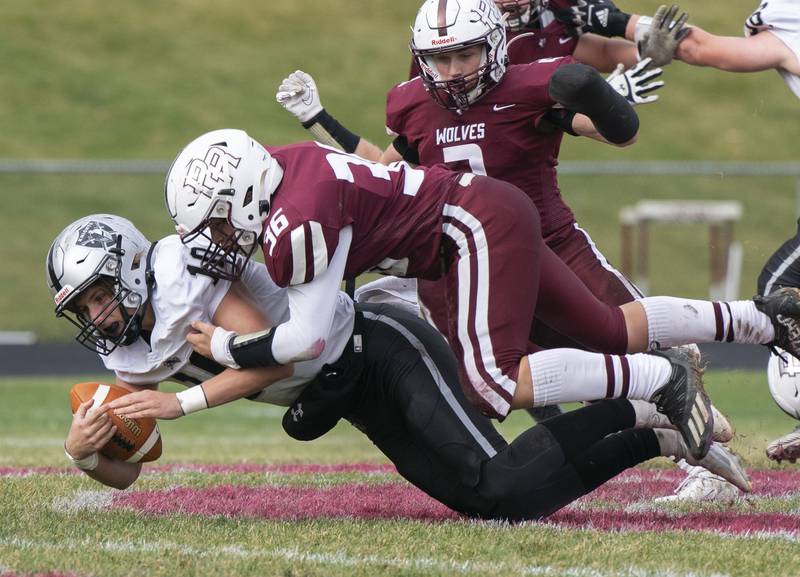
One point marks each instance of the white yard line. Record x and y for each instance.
(339, 558)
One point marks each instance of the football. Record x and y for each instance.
(136, 440)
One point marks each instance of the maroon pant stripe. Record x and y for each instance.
(610, 380)
(626, 376)
(730, 336)
(718, 319)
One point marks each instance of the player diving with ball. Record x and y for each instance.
(387, 372)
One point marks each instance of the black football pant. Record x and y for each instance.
(410, 404)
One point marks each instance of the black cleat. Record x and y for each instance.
(782, 306)
(684, 400)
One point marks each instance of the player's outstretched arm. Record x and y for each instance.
(763, 51)
(299, 95)
(582, 91)
(89, 432)
(603, 54)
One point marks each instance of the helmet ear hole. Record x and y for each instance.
(248, 196)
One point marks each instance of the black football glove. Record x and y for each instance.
(599, 16)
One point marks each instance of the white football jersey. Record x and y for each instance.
(782, 18)
(179, 297)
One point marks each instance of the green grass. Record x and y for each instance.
(39, 535)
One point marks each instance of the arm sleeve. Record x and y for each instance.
(311, 309)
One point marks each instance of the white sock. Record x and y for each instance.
(673, 321)
(572, 375)
(647, 416)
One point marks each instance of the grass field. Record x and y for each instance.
(232, 495)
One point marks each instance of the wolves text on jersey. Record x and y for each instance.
(476, 131)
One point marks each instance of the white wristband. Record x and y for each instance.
(192, 399)
(641, 28)
(220, 349)
(86, 464)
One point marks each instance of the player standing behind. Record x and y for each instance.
(771, 41)
(395, 375)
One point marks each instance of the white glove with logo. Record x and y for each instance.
(299, 95)
(633, 83)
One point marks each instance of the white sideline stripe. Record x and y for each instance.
(155, 434)
(339, 558)
(440, 382)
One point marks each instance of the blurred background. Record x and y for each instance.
(137, 80)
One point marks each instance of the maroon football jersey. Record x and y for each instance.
(534, 43)
(497, 135)
(395, 212)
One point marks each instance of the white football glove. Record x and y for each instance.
(299, 95)
(633, 83)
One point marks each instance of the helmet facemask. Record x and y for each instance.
(522, 14)
(121, 297)
(224, 252)
(218, 193)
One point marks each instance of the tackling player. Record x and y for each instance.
(320, 215)
(388, 372)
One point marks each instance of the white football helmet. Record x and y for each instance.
(783, 376)
(226, 175)
(449, 25)
(100, 248)
(521, 14)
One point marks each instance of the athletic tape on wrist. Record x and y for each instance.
(192, 399)
(327, 130)
(641, 28)
(220, 348)
(86, 464)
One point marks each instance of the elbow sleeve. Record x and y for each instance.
(581, 89)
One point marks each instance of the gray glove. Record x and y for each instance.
(634, 84)
(665, 33)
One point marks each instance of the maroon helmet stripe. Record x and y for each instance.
(441, 17)
(610, 377)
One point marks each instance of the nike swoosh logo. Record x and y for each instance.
(564, 40)
(497, 108)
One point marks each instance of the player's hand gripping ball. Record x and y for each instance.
(136, 440)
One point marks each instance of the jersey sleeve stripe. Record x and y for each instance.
(298, 256)
(319, 248)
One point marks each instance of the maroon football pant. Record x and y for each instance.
(500, 277)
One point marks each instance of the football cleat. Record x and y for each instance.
(701, 485)
(785, 447)
(723, 462)
(783, 309)
(684, 400)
